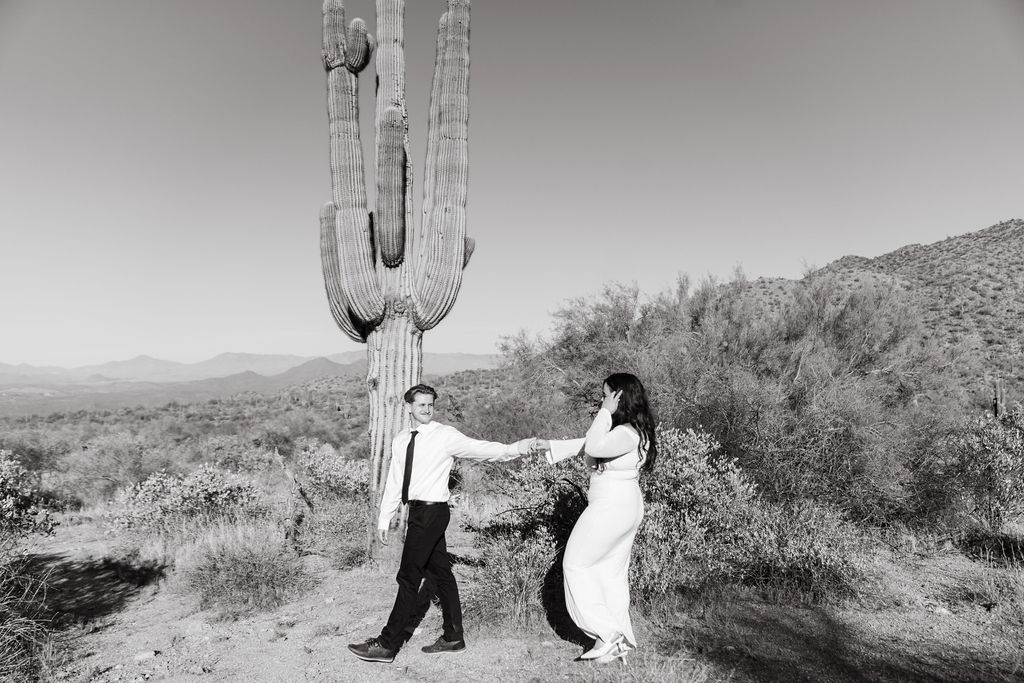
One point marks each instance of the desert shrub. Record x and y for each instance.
(697, 508)
(989, 468)
(163, 503)
(335, 524)
(510, 584)
(241, 567)
(336, 529)
(973, 480)
(110, 462)
(21, 509)
(520, 546)
(23, 631)
(283, 430)
(233, 452)
(801, 549)
(38, 450)
(705, 526)
(22, 626)
(818, 397)
(331, 475)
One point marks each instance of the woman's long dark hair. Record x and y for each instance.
(635, 411)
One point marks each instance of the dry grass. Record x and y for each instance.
(337, 532)
(237, 568)
(645, 666)
(509, 588)
(23, 633)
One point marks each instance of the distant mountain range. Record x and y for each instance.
(149, 369)
(150, 381)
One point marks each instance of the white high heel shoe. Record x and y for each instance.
(605, 650)
(618, 654)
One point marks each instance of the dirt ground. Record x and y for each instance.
(929, 618)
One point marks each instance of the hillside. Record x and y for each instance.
(971, 292)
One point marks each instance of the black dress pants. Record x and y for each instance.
(425, 555)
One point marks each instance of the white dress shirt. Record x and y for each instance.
(436, 445)
(601, 442)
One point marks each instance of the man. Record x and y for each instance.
(421, 462)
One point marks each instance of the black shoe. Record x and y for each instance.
(442, 645)
(372, 651)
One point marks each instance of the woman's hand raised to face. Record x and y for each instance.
(611, 401)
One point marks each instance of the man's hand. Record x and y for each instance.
(382, 536)
(539, 446)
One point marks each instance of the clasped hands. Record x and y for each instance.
(538, 446)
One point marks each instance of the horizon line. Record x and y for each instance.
(146, 356)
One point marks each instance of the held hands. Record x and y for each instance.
(539, 446)
(611, 401)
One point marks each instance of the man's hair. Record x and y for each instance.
(410, 395)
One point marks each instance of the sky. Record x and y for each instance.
(163, 163)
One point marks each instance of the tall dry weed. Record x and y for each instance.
(237, 568)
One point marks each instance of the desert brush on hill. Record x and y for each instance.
(970, 290)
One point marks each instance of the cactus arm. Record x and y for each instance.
(344, 51)
(340, 310)
(394, 167)
(442, 247)
(333, 45)
(430, 164)
(390, 55)
(359, 46)
(391, 187)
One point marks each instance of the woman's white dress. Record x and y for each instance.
(596, 562)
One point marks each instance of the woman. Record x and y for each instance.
(619, 442)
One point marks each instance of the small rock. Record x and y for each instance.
(941, 610)
(329, 600)
(274, 634)
(145, 654)
(546, 643)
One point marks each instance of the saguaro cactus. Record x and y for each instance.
(387, 281)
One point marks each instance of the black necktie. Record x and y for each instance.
(408, 467)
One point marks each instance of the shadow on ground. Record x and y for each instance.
(770, 642)
(555, 610)
(86, 589)
(568, 502)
